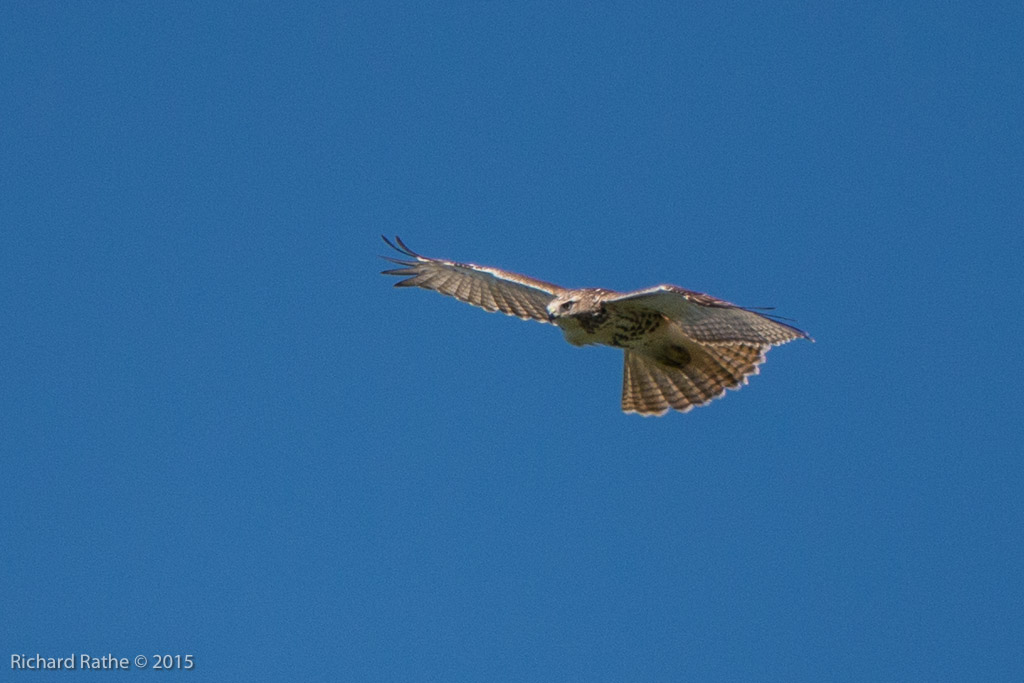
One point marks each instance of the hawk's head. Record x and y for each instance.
(580, 314)
(562, 305)
(576, 303)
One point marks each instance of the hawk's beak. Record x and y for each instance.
(551, 317)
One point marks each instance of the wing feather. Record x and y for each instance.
(491, 289)
(706, 319)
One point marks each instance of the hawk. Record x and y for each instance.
(682, 348)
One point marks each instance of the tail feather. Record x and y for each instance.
(650, 385)
(640, 391)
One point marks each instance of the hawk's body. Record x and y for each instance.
(682, 348)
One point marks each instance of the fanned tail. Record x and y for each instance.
(680, 378)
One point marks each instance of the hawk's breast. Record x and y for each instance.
(623, 329)
(633, 328)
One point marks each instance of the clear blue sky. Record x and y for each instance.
(225, 434)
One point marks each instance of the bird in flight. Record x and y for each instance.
(682, 348)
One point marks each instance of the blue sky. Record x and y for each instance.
(226, 435)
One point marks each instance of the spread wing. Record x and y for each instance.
(489, 288)
(706, 319)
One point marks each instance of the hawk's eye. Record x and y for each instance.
(567, 305)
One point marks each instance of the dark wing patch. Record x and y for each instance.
(707, 319)
(491, 289)
(674, 356)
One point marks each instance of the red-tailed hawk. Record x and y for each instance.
(682, 348)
